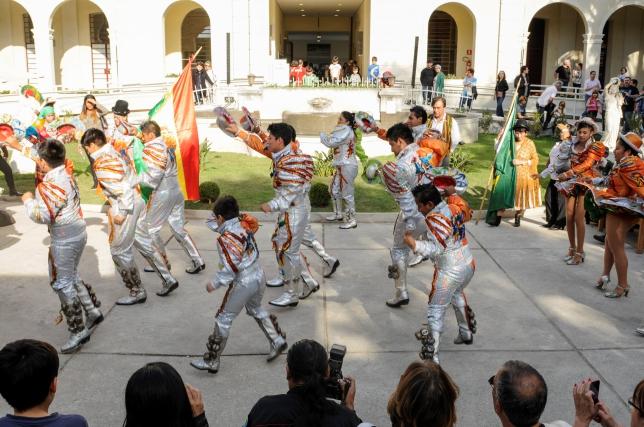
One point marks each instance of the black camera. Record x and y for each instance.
(337, 386)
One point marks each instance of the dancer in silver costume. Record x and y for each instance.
(126, 217)
(446, 245)
(57, 204)
(242, 274)
(342, 141)
(166, 203)
(399, 179)
(311, 241)
(292, 174)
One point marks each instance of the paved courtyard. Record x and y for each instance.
(529, 306)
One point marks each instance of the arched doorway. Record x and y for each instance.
(622, 43)
(556, 33)
(187, 28)
(17, 45)
(451, 38)
(82, 49)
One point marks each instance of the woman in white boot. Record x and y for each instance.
(343, 140)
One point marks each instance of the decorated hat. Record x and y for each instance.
(521, 124)
(633, 140)
(66, 128)
(121, 108)
(6, 130)
(365, 121)
(247, 122)
(224, 119)
(31, 92)
(46, 111)
(587, 121)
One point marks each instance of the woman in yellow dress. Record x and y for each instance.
(527, 192)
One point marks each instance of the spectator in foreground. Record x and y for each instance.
(593, 106)
(28, 382)
(500, 90)
(630, 93)
(156, 396)
(586, 410)
(523, 103)
(305, 404)
(519, 395)
(425, 396)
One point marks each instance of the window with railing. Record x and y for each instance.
(100, 44)
(30, 47)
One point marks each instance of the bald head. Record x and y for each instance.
(521, 392)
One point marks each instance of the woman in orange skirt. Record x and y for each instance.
(586, 153)
(527, 191)
(625, 184)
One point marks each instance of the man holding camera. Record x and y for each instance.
(311, 383)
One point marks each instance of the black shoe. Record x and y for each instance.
(15, 193)
(196, 269)
(517, 221)
(547, 225)
(601, 238)
(497, 221)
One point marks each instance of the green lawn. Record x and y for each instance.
(247, 178)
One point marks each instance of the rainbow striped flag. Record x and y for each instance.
(175, 113)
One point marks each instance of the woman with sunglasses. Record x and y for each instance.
(586, 410)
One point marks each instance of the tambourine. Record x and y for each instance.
(224, 119)
(371, 174)
(247, 122)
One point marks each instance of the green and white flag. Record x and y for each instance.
(502, 196)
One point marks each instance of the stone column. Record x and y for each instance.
(44, 43)
(592, 53)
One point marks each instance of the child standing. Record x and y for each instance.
(57, 204)
(593, 105)
(241, 273)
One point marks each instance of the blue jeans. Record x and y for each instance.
(499, 105)
(427, 94)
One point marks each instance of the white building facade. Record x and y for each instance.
(89, 45)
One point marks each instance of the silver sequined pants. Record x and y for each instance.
(343, 186)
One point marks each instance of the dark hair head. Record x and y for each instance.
(438, 99)
(627, 147)
(293, 133)
(471, 70)
(52, 151)
(83, 113)
(425, 396)
(523, 68)
(419, 112)
(638, 397)
(635, 82)
(400, 130)
(282, 130)
(426, 193)
(155, 395)
(199, 63)
(151, 126)
(227, 207)
(27, 369)
(307, 363)
(349, 117)
(94, 135)
(521, 392)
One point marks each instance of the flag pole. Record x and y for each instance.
(496, 141)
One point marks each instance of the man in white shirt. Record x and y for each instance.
(445, 125)
(591, 85)
(546, 103)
